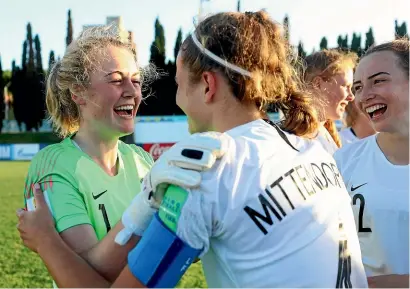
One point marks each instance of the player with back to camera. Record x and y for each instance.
(329, 74)
(358, 125)
(91, 177)
(376, 169)
(274, 211)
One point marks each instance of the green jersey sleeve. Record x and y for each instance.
(51, 169)
(67, 205)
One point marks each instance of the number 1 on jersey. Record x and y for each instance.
(101, 207)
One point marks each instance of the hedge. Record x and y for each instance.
(29, 137)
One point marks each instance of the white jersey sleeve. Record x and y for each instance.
(197, 210)
(200, 213)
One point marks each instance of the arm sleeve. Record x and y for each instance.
(68, 206)
(66, 202)
(189, 215)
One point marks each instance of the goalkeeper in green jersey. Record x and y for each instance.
(91, 177)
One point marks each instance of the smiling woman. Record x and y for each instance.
(126, 110)
(93, 95)
(87, 82)
(379, 164)
(329, 73)
(382, 86)
(91, 180)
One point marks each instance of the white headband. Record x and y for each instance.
(218, 59)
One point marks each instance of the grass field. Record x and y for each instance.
(19, 267)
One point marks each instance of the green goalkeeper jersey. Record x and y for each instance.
(79, 190)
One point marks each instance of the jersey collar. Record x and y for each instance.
(239, 130)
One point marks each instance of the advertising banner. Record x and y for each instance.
(156, 149)
(24, 151)
(5, 152)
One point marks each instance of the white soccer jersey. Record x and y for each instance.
(267, 215)
(380, 200)
(326, 140)
(347, 136)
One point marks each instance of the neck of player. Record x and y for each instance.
(104, 151)
(395, 146)
(228, 117)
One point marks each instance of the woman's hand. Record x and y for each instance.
(38, 225)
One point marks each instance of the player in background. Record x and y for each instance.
(91, 177)
(274, 211)
(329, 74)
(358, 125)
(376, 169)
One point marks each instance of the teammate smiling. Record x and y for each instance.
(376, 169)
(91, 177)
(329, 74)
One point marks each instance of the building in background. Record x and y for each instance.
(118, 22)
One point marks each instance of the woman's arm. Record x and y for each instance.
(106, 256)
(184, 220)
(97, 266)
(66, 257)
(66, 267)
(127, 280)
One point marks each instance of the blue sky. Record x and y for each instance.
(310, 20)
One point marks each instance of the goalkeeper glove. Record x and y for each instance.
(181, 165)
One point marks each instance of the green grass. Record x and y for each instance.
(21, 268)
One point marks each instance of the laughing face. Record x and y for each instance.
(382, 91)
(338, 93)
(114, 95)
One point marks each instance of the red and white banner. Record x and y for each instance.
(156, 149)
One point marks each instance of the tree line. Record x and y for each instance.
(26, 81)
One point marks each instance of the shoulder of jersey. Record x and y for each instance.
(134, 150)
(56, 157)
(58, 150)
(253, 147)
(354, 150)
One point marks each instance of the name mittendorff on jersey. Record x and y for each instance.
(291, 189)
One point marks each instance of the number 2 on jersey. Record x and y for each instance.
(361, 211)
(101, 207)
